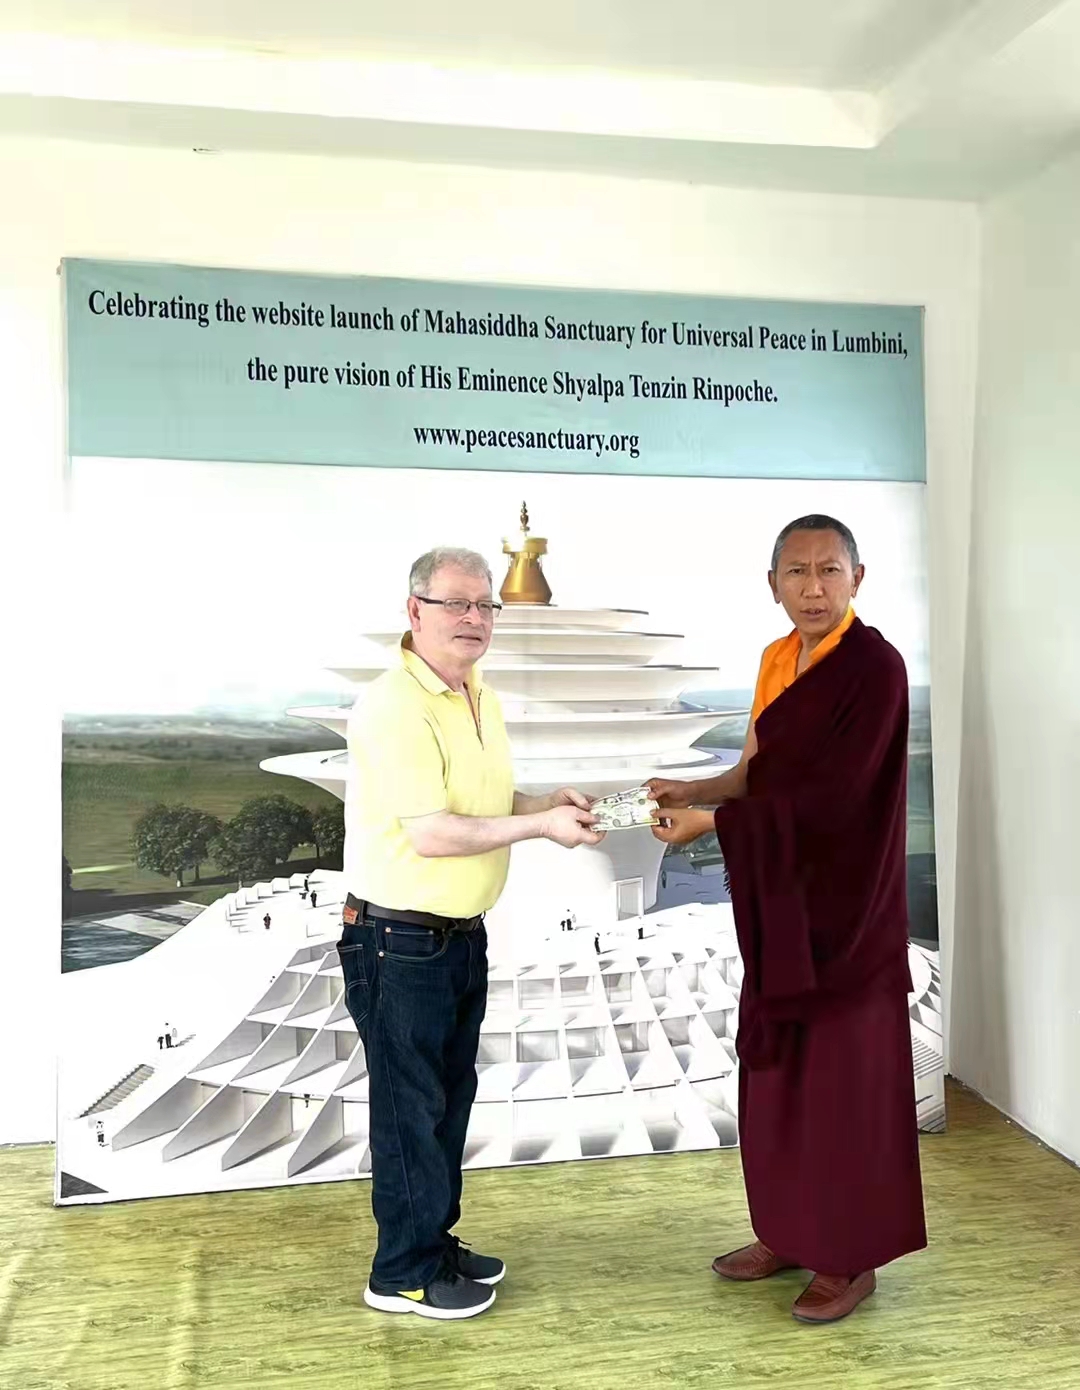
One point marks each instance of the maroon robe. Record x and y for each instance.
(816, 859)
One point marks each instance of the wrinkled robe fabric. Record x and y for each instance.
(816, 860)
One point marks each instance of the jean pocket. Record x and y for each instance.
(358, 1002)
(416, 944)
(353, 966)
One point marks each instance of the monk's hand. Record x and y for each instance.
(682, 825)
(675, 795)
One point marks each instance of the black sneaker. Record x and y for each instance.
(481, 1269)
(448, 1296)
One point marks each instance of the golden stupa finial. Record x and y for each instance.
(525, 582)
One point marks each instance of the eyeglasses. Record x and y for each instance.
(486, 607)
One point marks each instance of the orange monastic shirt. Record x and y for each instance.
(780, 662)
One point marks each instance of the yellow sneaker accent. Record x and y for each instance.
(417, 1295)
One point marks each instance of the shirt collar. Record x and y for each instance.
(430, 680)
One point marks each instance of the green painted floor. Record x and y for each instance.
(609, 1285)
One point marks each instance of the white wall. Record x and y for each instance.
(1016, 990)
(438, 222)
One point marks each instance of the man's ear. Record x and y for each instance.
(860, 575)
(772, 586)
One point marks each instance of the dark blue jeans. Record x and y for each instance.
(417, 998)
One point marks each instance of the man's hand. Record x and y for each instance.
(568, 825)
(672, 795)
(537, 805)
(569, 796)
(681, 826)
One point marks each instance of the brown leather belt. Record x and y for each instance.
(430, 920)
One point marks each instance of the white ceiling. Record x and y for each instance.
(817, 43)
(938, 98)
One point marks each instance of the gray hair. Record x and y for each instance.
(816, 522)
(425, 569)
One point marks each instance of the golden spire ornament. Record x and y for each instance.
(525, 582)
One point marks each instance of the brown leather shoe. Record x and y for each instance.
(755, 1261)
(830, 1297)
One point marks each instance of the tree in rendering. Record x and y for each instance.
(328, 830)
(171, 840)
(262, 835)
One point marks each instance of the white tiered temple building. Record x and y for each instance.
(615, 1036)
(590, 700)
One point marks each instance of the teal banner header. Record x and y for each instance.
(183, 362)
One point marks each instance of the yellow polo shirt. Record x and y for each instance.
(780, 663)
(414, 749)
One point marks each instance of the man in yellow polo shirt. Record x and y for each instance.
(431, 814)
(812, 825)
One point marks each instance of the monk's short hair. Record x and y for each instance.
(817, 522)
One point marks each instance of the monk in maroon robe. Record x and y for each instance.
(812, 825)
